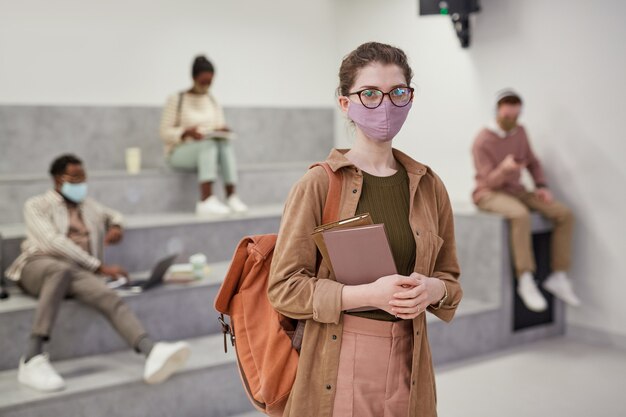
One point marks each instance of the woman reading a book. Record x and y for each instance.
(375, 362)
(196, 138)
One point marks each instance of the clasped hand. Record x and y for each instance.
(406, 297)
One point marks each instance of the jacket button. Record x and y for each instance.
(413, 382)
(354, 191)
(417, 333)
(328, 387)
(334, 337)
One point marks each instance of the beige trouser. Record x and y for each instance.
(52, 279)
(374, 372)
(517, 210)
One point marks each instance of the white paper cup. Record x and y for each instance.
(133, 160)
(198, 262)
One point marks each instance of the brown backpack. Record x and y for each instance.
(267, 344)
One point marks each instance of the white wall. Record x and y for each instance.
(565, 57)
(568, 61)
(271, 53)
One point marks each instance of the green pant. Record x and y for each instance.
(205, 156)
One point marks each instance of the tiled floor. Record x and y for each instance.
(558, 377)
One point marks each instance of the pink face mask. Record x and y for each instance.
(381, 124)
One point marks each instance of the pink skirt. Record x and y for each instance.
(374, 378)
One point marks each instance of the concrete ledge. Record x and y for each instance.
(183, 233)
(32, 135)
(169, 312)
(485, 316)
(111, 385)
(484, 256)
(157, 190)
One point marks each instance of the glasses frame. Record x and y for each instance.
(383, 96)
(74, 179)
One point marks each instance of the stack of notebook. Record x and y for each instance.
(355, 250)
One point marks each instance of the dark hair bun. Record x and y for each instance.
(201, 64)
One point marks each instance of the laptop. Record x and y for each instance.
(156, 277)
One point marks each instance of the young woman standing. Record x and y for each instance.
(378, 362)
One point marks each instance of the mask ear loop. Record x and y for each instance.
(350, 126)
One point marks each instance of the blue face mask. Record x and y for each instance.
(74, 192)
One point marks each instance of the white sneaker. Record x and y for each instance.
(38, 374)
(211, 206)
(164, 360)
(530, 294)
(559, 285)
(235, 204)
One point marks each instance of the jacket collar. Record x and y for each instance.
(55, 196)
(58, 199)
(494, 127)
(337, 160)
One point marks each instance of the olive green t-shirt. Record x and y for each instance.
(387, 200)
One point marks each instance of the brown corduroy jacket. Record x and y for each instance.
(297, 290)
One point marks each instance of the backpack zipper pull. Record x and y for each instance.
(226, 329)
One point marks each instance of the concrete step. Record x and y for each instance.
(483, 250)
(485, 319)
(95, 378)
(150, 237)
(31, 136)
(111, 385)
(169, 312)
(186, 233)
(156, 190)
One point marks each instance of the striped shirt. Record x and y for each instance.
(48, 224)
(196, 110)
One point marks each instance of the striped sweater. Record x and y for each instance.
(195, 110)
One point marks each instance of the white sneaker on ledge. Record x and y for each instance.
(211, 206)
(530, 294)
(561, 287)
(38, 374)
(165, 359)
(235, 204)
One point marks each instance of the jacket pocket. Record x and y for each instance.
(428, 247)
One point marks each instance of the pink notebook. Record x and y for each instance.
(360, 255)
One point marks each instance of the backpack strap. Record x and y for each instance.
(333, 196)
(330, 214)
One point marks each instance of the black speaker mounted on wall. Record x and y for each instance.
(458, 10)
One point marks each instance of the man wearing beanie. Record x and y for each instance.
(501, 151)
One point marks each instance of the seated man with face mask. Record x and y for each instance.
(61, 257)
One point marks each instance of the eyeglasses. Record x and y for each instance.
(373, 97)
(74, 179)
